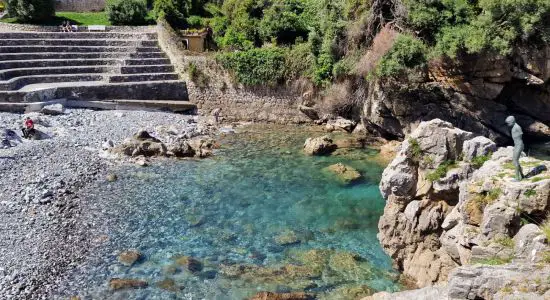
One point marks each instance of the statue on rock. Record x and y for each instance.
(517, 134)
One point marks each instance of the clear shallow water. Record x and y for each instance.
(230, 211)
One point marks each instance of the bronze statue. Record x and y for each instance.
(517, 133)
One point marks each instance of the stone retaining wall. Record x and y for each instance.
(279, 105)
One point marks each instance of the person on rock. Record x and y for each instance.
(28, 129)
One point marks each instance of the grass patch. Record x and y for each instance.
(507, 241)
(509, 166)
(488, 197)
(416, 151)
(494, 261)
(539, 178)
(478, 161)
(530, 193)
(79, 18)
(441, 170)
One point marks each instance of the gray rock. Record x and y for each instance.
(451, 219)
(478, 146)
(499, 219)
(411, 210)
(529, 241)
(53, 109)
(341, 124)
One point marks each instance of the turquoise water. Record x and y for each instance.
(229, 211)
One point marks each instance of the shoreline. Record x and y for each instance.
(45, 226)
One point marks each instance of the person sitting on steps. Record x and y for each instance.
(28, 130)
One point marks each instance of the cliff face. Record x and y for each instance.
(451, 201)
(476, 95)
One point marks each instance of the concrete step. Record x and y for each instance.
(146, 69)
(157, 90)
(32, 49)
(12, 73)
(147, 61)
(144, 77)
(19, 82)
(79, 55)
(78, 42)
(37, 63)
(163, 105)
(77, 35)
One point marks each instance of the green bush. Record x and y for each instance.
(174, 11)
(256, 66)
(127, 12)
(300, 62)
(452, 26)
(407, 52)
(31, 10)
(282, 22)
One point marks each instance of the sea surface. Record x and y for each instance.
(258, 216)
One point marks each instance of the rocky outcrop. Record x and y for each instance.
(451, 201)
(475, 95)
(142, 144)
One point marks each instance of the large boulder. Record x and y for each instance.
(478, 146)
(319, 146)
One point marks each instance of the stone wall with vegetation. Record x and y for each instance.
(210, 86)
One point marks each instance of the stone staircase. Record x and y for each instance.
(82, 67)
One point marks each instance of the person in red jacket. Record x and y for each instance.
(28, 130)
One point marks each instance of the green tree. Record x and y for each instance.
(31, 10)
(175, 11)
(282, 22)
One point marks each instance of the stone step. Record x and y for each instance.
(143, 77)
(147, 61)
(79, 55)
(19, 82)
(42, 63)
(12, 73)
(146, 69)
(78, 42)
(156, 90)
(77, 35)
(37, 63)
(32, 49)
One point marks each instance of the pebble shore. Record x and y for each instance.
(43, 221)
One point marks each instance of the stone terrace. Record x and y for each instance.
(80, 67)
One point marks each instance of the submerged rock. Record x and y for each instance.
(286, 238)
(129, 257)
(283, 296)
(191, 264)
(121, 284)
(345, 174)
(319, 146)
(168, 285)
